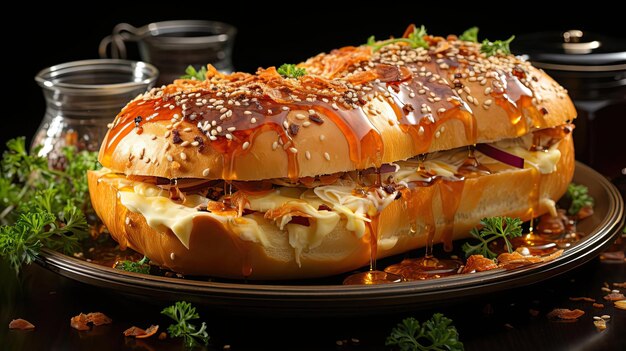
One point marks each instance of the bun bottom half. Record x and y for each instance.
(448, 210)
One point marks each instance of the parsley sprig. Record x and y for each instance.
(470, 34)
(141, 266)
(498, 47)
(191, 73)
(40, 206)
(182, 312)
(436, 334)
(579, 195)
(415, 40)
(493, 228)
(288, 70)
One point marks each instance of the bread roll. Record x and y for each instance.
(302, 154)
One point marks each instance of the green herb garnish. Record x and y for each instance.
(288, 70)
(140, 266)
(182, 312)
(492, 229)
(579, 195)
(191, 73)
(498, 47)
(436, 334)
(470, 35)
(415, 40)
(39, 206)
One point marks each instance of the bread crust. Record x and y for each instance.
(215, 250)
(354, 109)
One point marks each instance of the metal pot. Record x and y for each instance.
(593, 70)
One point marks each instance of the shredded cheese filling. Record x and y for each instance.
(346, 201)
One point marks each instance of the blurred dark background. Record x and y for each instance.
(267, 34)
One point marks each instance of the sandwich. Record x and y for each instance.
(313, 169)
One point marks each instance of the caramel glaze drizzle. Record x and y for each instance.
(423, 94)
(422, 101)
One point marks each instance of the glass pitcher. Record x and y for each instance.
(82, 97)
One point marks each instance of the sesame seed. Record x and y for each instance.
(228, 136)
(231, 129)
(245, 145)
(306, 124)
(172, 256)
(275, 145)
(188, 129)
(488, 102)
(307, 154)
(327, 156)
(334, 105)
(253, 120)
(183, 156)
(205, 172)
(441, 110)
(420, 131)
(185, 143)
(606, 316)
(322, 137)
(247, 112)
(311, 112)
(195, 143)
(285, 108)
(412, 94)
(437, 134)
(293, 150)
(300, 116)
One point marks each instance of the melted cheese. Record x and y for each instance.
(161, 213)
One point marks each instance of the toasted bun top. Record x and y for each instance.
(355, 108)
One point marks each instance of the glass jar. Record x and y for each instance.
(82, 97)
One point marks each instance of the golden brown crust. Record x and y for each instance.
(368, 107)
(214, 250)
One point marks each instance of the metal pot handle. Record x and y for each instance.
(122, 33)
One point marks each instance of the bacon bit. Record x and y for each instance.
(323, 207)
(620, 285)
(176, 139)
(300, 221)
(614, 297)
(514, 260)
(21, 324)
(588, 299)
(566, 314)
(584, 212)
(598, 305)
(139, 333)
(620, 304)
(391, 73)
(478, 263)
(81, 321)
(98, 318)
(293, 129)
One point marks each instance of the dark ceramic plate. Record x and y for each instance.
(326, 297)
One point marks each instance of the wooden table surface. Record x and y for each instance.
(502, 321)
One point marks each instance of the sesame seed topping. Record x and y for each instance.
(185, 143)
(327, 156)
(275, 145)
(322, 137)
(253, 120)
(245, 145)
(247, 112)
(228, 136)
(205, 172)
(293, 150)
(300, 116)
(437, 134)
(183, 156)
(307, 154)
